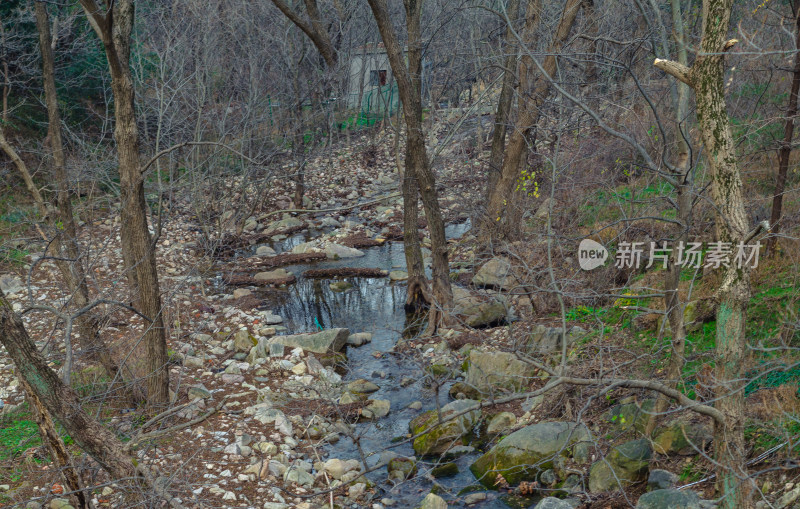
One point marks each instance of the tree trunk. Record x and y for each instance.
(66, 240)
(59, 400)
(417, 293)
(786, 146)
(672, 301)
(58, 451)
(137, 244)
(500, 222)
(706, 78)
(503, 113)
(314, 30)
(417, 162)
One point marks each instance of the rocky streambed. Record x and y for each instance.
(372, 309)
(379, 441)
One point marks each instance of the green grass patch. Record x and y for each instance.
(17, 436)
(769, 309)
(692, 472)
(765, 436)
(773, 378)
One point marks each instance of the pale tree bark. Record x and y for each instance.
(503, 113)
(22, 168)
(501, 220)
(114, 30)
(417, 162)
(788, 134)
(705, 77)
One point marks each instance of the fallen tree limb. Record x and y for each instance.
(345, 272)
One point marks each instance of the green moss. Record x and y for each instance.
(445, 470)
(438, 370)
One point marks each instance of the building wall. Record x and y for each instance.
(377, 99)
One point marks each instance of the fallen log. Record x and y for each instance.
(273, 262)
(247, 280)
(359, 241)
(345, 272)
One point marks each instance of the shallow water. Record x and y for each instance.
(373, 305)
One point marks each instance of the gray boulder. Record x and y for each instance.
(553, 503)
(433, 502)
(285, 223)
(337, 252)
(522, 455)
(265, 251)
(490, 372)
(547, 340)
(496, 273)
(10, 283)
(327, 341)
(669, 499)
(376, 408)
(500, 423)
(243, 341)
(306, 247)
(359, 338)
(273, 276)
(478, 309)
(661, 479)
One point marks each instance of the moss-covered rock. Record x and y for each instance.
(402, 468)
(682, 438)
(442, 437)
(522, 455)
(631, 415)
(624, 465)
(444, 470)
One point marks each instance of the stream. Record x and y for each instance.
(374, 305)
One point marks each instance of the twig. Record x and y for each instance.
(155, 434)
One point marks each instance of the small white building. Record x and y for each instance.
(370, 78)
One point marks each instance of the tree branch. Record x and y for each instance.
(674, 69)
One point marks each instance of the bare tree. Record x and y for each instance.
(503, 113)
(313, 28)
(705, 77)
(502, 211)
(417, 162)
(113, 27)
(61, 401)
(788, 133)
